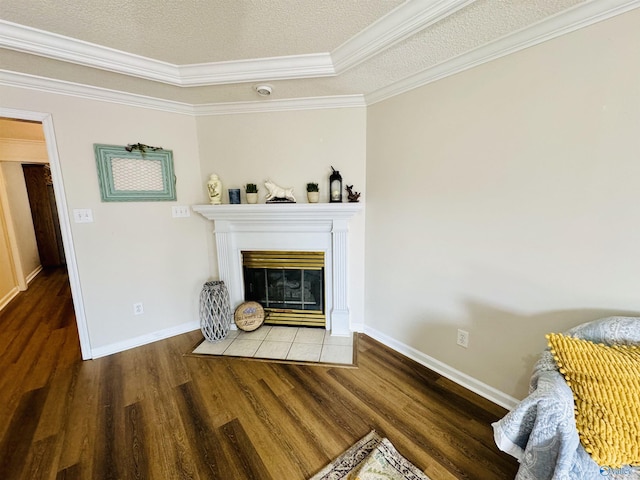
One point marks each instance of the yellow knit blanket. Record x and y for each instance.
(605, 381)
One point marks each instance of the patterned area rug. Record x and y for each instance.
(372, 458)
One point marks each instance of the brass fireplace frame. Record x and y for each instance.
(288, 260)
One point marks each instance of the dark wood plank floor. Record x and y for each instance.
(153, 413)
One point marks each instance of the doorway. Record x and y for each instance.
(59, 210)
(44, 214)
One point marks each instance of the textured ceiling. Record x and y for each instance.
(222, 32)
(198, 31)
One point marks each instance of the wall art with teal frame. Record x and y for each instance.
(142, 175)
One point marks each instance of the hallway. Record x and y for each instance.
(39, 340)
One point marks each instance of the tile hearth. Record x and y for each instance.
(284, 343)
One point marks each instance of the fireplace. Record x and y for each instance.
(289, 285)
(296, 227)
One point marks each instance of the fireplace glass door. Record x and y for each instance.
(289, 285)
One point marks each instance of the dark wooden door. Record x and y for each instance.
(44, 214)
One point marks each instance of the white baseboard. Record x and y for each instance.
(443, 369)
(462, 379)
(4, 301)
(33, 274)
(144, 339)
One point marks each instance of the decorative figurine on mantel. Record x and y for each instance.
(214, 189)
(277, 194)
(335, 186)
(353, 197)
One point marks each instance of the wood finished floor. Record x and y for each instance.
(152, 413)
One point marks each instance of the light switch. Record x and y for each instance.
(83, 215)
(179, 211)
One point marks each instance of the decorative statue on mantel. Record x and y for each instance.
(214, 189)
(352, 196)
(277, 194)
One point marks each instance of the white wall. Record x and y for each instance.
(8, 281)
(291, 149)
(134, 251)
(18, 204)
(19, 142)
(504, 201)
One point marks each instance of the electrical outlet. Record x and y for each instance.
(179, 211)
(138, 309)
(463, 338)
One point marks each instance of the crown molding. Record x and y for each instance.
(33, 82)
(569, 21)
(62, 87)
(261, 69)
(566, 22)
(58, 47)
(399, 24)
(312, 103)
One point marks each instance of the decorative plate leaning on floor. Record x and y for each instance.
(249, 316)
(371, 458)
(303, 345)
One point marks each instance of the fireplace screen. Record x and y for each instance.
(289, 285)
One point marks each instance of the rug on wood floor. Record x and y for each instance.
(372, 458)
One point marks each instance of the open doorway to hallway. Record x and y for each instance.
(22, 143)
(19, 249)
(29, 225)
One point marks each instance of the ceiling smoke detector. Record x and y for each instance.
(263, 90)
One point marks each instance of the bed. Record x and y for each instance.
(541, 430)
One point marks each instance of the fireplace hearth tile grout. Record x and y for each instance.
(283, 343)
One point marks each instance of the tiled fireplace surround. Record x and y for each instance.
(288, 227)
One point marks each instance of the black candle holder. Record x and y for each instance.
(335, 187)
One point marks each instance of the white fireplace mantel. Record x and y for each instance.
(295, 227)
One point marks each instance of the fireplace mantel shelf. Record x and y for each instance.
(316, 227)
(283, 211)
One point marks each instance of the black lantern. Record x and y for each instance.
(335, 187)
